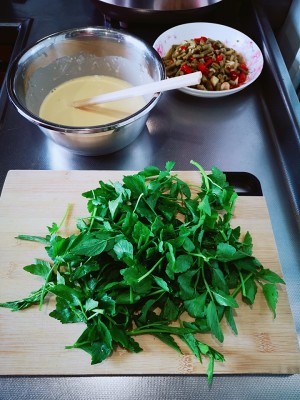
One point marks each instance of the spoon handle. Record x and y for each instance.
(148, 88)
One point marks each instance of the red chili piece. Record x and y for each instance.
(201, 38)
(203, 69)
(208, 60)
(219, 58)
(186, 69)
(242, 77)
(183, 48)
(244, 67)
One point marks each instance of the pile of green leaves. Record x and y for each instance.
(149, 252)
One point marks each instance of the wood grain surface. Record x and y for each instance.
(32, 343)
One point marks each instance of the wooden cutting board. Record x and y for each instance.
(32, 343)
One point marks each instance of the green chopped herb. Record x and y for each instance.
(149, 252)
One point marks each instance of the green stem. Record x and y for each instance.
(223, 235)
(242, 284)
(159, 291)
(96, 312)
(203, 173)
(130, 295)
(83, 312)
(205, 282)
(235, 292)
(137, 202)
(147, 330)
(93, 214)
(43, 292)
(200, 266)
(205, 177)
(150, 270)
(65, 216)
(201, 256)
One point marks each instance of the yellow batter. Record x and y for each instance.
(57, 105)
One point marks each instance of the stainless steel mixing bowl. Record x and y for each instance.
(163, 12)
(79, 52)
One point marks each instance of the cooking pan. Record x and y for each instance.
(156, 11)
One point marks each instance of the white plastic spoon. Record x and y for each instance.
(148, 88)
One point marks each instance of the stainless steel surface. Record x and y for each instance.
(13, 36)
(156, 11)
(80, 52)
(257, 131)
(161, 5)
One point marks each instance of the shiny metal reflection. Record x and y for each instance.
(161, 5)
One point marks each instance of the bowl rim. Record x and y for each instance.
(152, 7)
(207, 93)
(93, 129)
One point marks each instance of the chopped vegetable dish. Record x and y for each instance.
(221, 66)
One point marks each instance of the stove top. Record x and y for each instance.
(12, 38)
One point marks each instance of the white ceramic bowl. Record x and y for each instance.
(230, 37)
